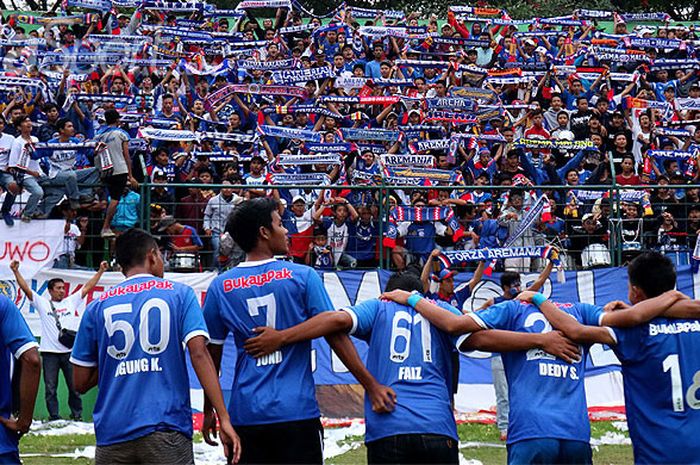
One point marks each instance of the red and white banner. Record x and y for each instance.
(34, 245)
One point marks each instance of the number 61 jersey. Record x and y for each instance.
(412, 357)
(278, 387)
(135, 335)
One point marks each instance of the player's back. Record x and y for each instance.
(661, 371)
(547, 395)
(412, 357)
(134, 333)
(278, 387)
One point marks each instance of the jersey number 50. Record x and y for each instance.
(113, 326)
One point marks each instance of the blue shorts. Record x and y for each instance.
(546, 451)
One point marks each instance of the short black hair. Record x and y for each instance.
(508, 278)
(132, 247)
(111, 116)
(653, 273)
(52, 282)
(245, 221)
(61, 123)
(406, 281)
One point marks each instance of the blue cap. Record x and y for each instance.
(443, 274)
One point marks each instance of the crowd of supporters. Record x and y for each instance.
(107, 96)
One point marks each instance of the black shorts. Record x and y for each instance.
(289, 442)
(159, 447)
(115, 185)
(413, 448)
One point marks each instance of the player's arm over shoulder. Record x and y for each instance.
(671, 304)
(448, 318)
(573, 329)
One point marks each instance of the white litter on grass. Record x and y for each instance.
(495, 445)
(60, 428)
(204, 454)
(335, 441)
(620, 426)
(611, 438)
(465, 461)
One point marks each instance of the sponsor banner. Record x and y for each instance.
(34, 245)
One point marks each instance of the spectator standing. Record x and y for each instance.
(25, 168)
(58, 313)
(114, 163)
(216, 214)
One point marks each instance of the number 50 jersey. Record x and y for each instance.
(135, 335)
(278, 387)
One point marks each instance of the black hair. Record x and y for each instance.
(406, 281)
(245, 221)
(52, 283)
(111, 116)
(61, 123)
(20, 119)
(653, 273)
(508, 278)
(49, 106)
(132, 247)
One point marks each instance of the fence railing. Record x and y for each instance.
(602, 225)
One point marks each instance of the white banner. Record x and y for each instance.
(34, 245)
(75, 281)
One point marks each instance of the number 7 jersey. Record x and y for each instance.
(135, 335)
(278, 387)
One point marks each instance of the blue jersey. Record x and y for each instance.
(661, 369)
(278, 387)
(15, 339)
(412, 357)
(135, 335)
(547, 395)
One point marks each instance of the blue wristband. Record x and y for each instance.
(413, 300)
(538, 299)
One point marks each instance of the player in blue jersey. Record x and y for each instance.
(131, 345)
(414, 359)
(16, 341)
(273, 402)
(660, 364)
(541, 430)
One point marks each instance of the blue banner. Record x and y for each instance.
(349, 287)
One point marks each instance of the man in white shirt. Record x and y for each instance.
(56, 311)
(7, 181)
(27, 168)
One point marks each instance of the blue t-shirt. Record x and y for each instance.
(412, 357)
(279, 387)
(547, 396)
(135, 335)
(15, 339)
(363, 240)
(661, 369)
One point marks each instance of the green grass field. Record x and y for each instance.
(37, 449)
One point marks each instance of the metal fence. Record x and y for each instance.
(593, 226)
